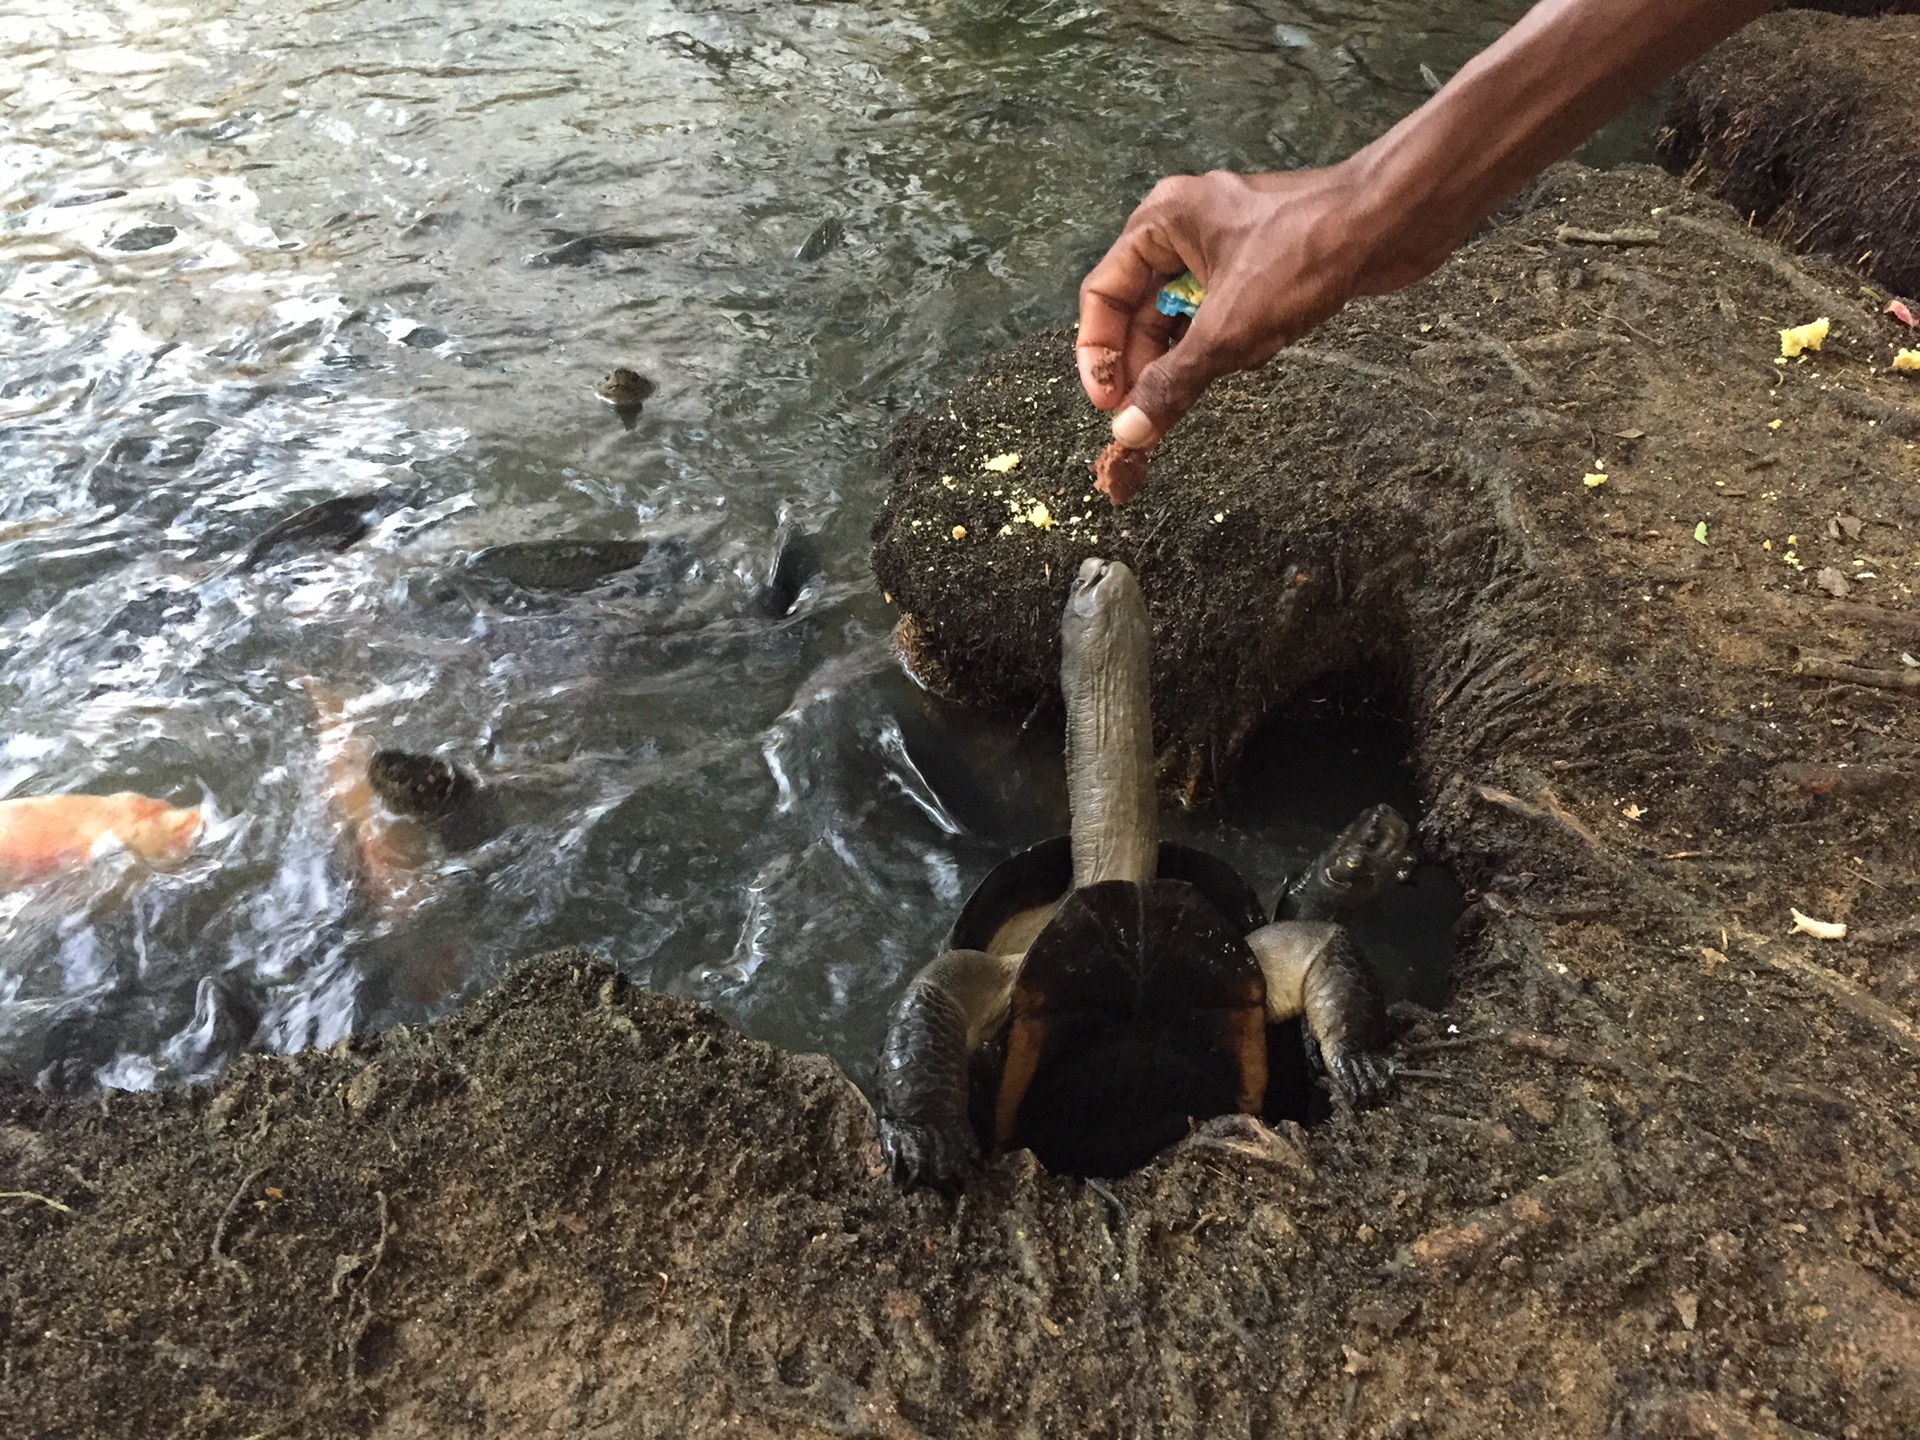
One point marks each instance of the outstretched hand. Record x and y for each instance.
(1277, 254)
(1280, 253)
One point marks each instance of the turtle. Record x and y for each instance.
(627, 391)
(439, 795)
(1102, 990)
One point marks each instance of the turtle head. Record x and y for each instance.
(1106, 653)
(1104, 607)
(1371, 853)
(424, 787)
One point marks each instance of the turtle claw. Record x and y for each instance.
(1359, 1078)
(927, 1154)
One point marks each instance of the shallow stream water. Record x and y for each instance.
(259, 253)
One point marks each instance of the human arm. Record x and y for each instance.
(1279, 253)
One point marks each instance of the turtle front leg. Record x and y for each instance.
(1314, 970)
(950, 1007)
(1357, 866)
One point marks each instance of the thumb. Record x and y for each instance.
(1165, 390)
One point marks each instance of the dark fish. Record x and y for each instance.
(89, 197)
(334, 525)
(796, 560)
(582, 248)
(422, 786)
(144, 237)
(147, 616)
(568, 566)
(827, 234)
(226, 1017)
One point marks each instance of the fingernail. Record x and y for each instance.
(1132, 428)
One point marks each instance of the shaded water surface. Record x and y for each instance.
(254, 256)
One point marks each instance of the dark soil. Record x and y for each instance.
(1660, 1175)
(1858, 7)
(1808, 123)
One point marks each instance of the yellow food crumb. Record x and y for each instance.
(1040, 517)
(959, 532)
(1907, 360)
(1773, 424)
(1804, 337)
(1001, 464)
(1594, 480)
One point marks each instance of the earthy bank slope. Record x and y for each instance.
(1658, 1178)
(1809, 124)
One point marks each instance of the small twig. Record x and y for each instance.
(1625, 236)
(1358, 366)
(1822, 669)
(1765, 256)
(1503, 352)
(1907, 620)
(1545, 806)
(1899, 1028)
(36, 1195)
(214, 1250)
(1112, 1199)
(1548, 1047)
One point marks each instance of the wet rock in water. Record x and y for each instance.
(144, 237)
(334, 525)
(1808, 123)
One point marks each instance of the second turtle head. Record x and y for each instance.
(422, 787)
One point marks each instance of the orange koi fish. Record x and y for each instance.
(394, 852)
(47, 835)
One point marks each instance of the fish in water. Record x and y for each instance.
(47, 835)
(395, 852)
(334, 525)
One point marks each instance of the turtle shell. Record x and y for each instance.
(1136, 1009)
(1039, 875)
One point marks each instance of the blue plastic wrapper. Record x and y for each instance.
(1180, 296)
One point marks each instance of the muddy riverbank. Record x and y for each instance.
(1806, 123)
(1657, 1176)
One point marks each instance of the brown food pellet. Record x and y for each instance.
(1119, 472)
(1103, 365)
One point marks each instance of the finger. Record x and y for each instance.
(1149, 338)
(1166, 389)
(1116, 296)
